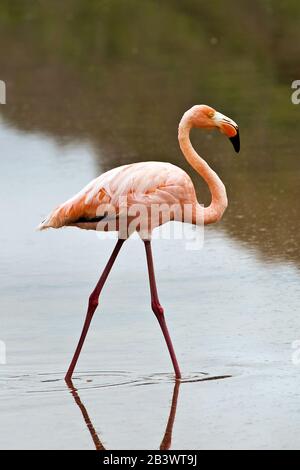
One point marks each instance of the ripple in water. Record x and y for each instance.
(55, 382)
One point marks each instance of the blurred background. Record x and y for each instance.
(96, 84)
(120, 75)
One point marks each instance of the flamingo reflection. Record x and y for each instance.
(96, 440)
(167, 439)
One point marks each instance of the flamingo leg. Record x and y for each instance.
(93, 304)
(158, 309)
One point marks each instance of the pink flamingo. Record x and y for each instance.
(147, 183)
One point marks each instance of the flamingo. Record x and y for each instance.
(100, 206)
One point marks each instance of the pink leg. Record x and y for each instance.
(158, 310)
(93, 304)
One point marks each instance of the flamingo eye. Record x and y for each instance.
(211, 114)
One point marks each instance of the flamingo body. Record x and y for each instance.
(112, 196)
(114, 192)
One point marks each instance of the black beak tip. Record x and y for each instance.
(236, 141)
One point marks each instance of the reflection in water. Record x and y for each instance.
(167, 439)
(110, 380)
(87, 419)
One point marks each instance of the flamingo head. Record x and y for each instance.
(205, 117)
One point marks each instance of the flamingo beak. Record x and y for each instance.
(230, 128)
(235, 140)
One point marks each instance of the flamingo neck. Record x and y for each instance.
(219, 202)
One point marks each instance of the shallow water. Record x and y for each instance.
(232, 307)
(230, 314)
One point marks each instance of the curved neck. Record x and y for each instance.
(219, 202)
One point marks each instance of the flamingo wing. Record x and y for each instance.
(91, 204)
(110, 195)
